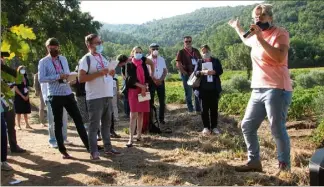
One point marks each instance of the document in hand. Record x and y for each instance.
(72, 76)
(112, 65)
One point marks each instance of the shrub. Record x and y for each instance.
(240, 83)
(227, 88)
(305, 81)
(311, 79)
(234, 104)
(318, 135)
(318, 77)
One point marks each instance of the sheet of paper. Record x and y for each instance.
(72, 76)
(112, 65)
(208, 66)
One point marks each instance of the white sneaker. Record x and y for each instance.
(67, 142)
(205, 131)
(5, 166)
(216, 131)
(54, 145)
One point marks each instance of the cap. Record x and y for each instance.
(154, 45)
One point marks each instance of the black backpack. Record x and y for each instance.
(79, 88)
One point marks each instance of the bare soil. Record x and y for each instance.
(184, 157)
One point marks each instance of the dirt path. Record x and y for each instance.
(181, 158)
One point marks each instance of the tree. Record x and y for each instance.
(239, 58)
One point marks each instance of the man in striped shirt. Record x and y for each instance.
(54, 70)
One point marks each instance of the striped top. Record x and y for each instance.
(48, 73)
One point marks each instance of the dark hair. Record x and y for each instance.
(89, 38)
(122, 58)
(205, 46)
(188, 37)
(52, 41)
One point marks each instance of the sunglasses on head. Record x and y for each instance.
(188, 41)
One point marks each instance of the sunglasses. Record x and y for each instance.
(155, 49)
(188, 41)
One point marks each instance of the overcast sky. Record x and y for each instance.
(138, 12)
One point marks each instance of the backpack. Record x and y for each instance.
(79, 88)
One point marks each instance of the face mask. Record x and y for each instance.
(263, 26)
(22, 71)
(54, 52)
(206, 55)
(138, 56)
(99, 48)
(155, 53)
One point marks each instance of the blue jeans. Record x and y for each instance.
(188, 94)
(50, 118)
(273, 103)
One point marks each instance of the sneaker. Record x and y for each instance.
(112, 152)
(216, 131)
(205, 131)
(191, 113)
(95, 156)
(67, 142)
(283, 167)
(251, 166)
(53, 145)
(5, 166)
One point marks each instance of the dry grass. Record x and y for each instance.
(181, 158)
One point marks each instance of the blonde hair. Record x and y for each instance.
(265, 9)
(134, 49)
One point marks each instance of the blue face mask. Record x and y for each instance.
(99, 48)
(138, 56)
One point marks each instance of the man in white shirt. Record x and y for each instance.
(50, 118)
(93, 70)
(158, 79)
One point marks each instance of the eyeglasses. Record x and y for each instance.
(188, 41)
(155, 49)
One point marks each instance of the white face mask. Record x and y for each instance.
(22, 71)
(155, 52)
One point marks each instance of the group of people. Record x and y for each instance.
(93, 111)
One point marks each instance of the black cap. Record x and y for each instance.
(52, 41)
(154, 45)
(5, 54)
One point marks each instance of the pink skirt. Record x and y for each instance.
(134, 104)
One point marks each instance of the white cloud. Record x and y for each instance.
(138, 12)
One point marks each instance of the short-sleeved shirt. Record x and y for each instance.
(159, 64)
(267, 73)
(99, 87)
(185, 57)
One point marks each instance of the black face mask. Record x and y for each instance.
(263, 26)
(54, 52)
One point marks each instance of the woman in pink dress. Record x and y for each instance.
(137, 80)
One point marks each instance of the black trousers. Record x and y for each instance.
(161, 95)
(70, 104)
(209, 115)
(9, 116)
(4, 141)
